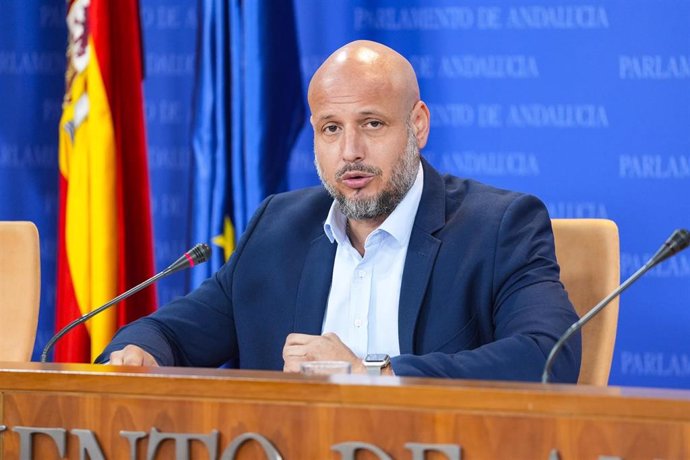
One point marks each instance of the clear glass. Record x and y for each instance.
(325, 367)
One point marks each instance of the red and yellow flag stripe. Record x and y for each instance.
(104, 242)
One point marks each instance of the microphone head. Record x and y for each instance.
(195, 256)
(679, 240)
(200, 253)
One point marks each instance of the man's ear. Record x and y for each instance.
(420, 118)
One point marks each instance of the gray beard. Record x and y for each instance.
(381, 205)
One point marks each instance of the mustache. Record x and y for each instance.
(359, 167)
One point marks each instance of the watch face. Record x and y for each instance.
(376, 358)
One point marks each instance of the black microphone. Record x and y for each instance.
(197, 255)
(679, 240)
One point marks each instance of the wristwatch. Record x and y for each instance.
(376, 363)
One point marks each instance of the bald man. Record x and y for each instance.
(389, 266)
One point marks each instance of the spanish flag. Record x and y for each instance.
(104, 236)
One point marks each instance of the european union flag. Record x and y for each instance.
(248, 111)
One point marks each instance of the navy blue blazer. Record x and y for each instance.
(480, 295)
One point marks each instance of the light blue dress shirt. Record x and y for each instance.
(365, 290)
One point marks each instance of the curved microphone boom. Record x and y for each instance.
(679, 240)
(197, 255)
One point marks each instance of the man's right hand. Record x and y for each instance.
(132, 355)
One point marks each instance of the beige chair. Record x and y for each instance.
(20, 289)
(588, 253)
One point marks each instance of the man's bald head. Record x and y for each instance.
(368, 63)
(369, 126)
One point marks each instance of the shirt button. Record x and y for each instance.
(361, 274)
(358, 323)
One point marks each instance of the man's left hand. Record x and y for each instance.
(328, 347)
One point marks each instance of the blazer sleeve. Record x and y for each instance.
(529, 309)
(195, 330)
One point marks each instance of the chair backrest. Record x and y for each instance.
(20, 289)
(588, 253)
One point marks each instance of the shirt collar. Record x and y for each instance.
(398, 224)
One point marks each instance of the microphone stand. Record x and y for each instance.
(679, 240)
(92, 313)
(576, 326)
(198, 254)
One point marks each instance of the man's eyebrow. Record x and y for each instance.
(365, 113)
(325, 117)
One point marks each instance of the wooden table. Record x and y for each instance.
(125, 412)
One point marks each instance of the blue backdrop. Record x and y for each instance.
(586, 104)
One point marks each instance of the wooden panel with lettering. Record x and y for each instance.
(303, 418)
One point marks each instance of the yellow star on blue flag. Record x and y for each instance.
(226, 240)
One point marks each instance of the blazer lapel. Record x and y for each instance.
(314, 286)
(421, 255)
